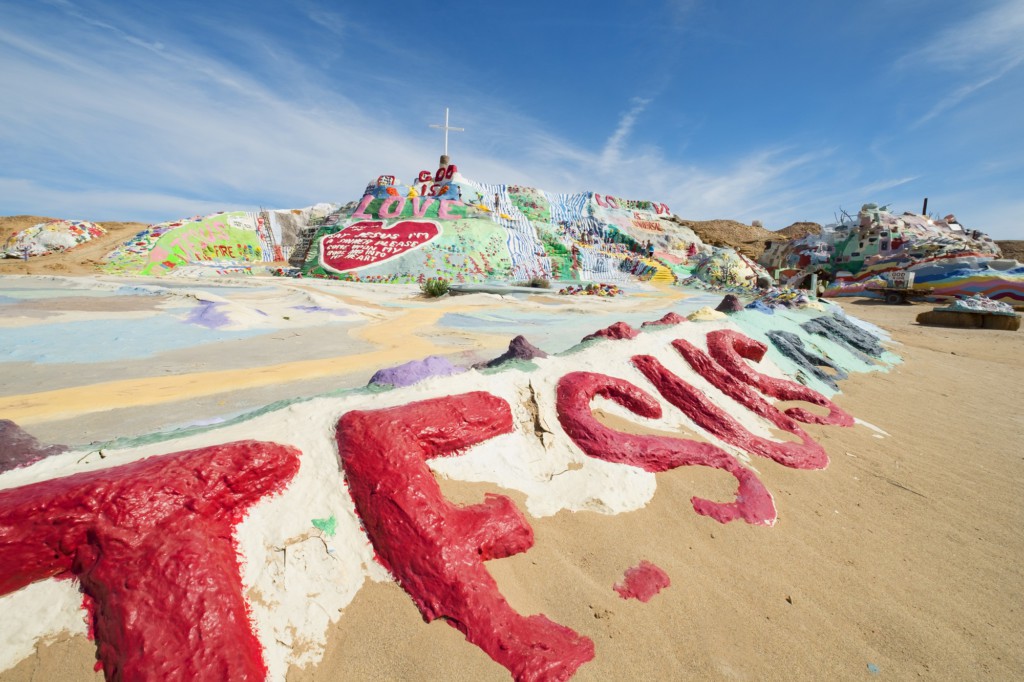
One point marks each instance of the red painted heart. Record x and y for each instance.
(369, 242)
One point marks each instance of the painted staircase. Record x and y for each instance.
(662, 273)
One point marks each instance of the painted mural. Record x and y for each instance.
(511, 233)
(196, 540)
(485, 232)
(227, 242)
(52, 236)
(727, 268)
(859, 256)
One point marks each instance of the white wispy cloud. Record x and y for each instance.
(980, 50)
(129, 118)
(612, 151)
(125, 116)
(122, 129)
(114, 205)
(882, 185)
(680, 11)
(994, 35)
(961, 93)
(325, 18)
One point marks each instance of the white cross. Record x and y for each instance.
(446, 128)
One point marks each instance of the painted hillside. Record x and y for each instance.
(442, 225)
(446, 225)
(51, 236)
(944, 256)
(226, 243)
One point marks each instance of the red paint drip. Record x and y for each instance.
(436, 550)
(668, 318)
(642, 582)
(617, 331)
(151, 543)
(654, 453)
(695, 404)
(730, 349)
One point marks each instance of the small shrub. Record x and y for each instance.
(539, 283)
(435, 287)
(536, 282)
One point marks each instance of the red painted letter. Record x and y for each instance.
(730, 349)
(804, 455)
(654, 453)
(696, 405)
(436, 550)
(151, 543)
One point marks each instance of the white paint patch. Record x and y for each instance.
(880, 433)
(36, 613)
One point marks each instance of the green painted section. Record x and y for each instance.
(328, 526)
(159, 249)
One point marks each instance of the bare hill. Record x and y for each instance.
(799, 230)
(81, 260)
(1012, 248)
(747, 239)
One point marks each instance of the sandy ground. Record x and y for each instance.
(76, 403)
(904, 556)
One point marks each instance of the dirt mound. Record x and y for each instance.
(16, 223)
(78, 261)
(799, 230)
(747, 239)
(1012, 248)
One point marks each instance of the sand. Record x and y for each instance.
(903, 557)
(905, 554)
(70, 402)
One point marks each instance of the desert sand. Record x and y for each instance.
(903, 558)
(904, 554)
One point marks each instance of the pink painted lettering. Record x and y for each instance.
(420, 206)
(695, 404)
(806, 455)
(361, 209)
(576, 390)
(446, 204)
(392, 207)
(731, 349)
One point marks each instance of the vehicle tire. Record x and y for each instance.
(892, 298)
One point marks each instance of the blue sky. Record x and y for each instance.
(781, 111)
